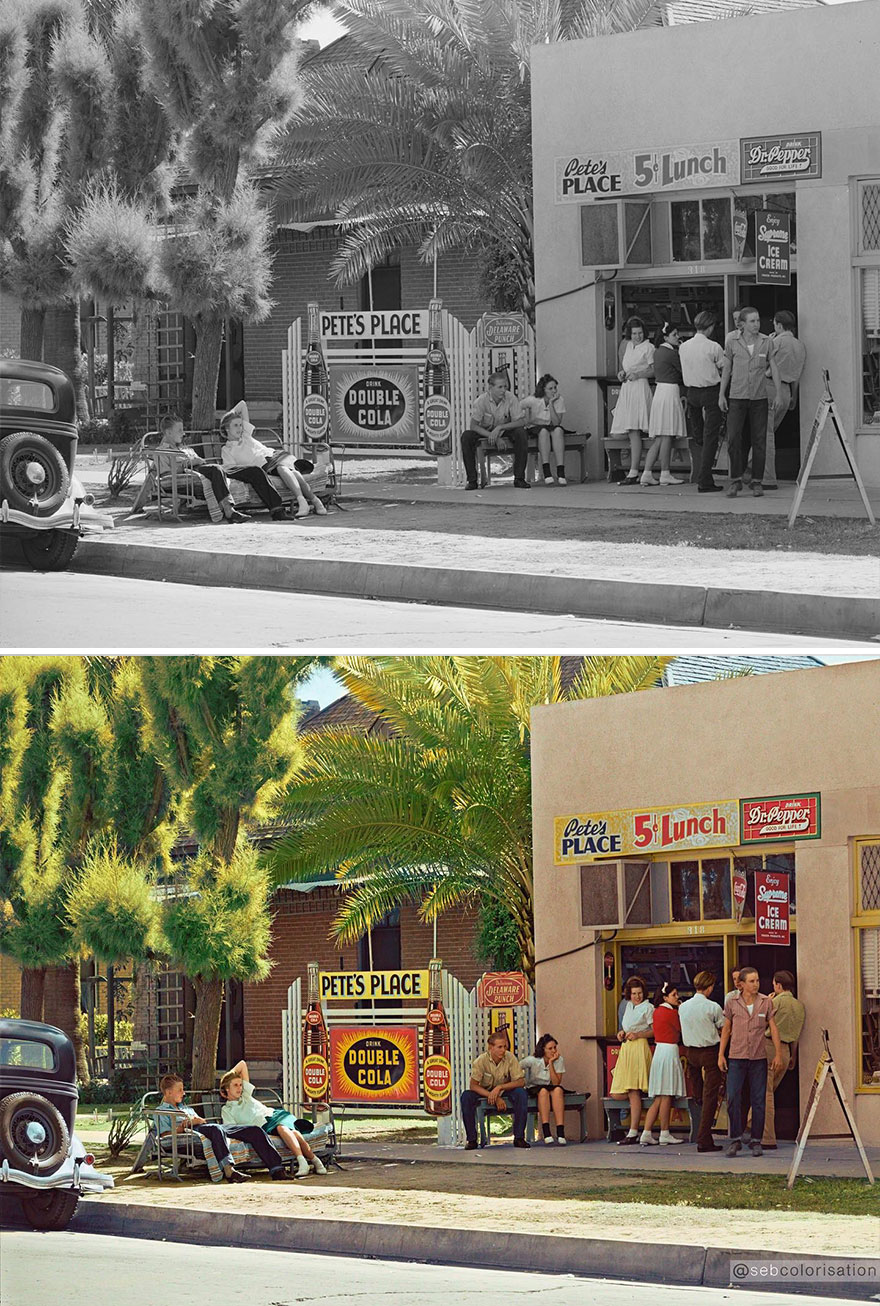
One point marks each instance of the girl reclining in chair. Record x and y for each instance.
(242, 453)
(242, 1108)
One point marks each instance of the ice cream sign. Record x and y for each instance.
(645, 831)
(781, 818)
(771, 908)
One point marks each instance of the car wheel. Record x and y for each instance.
(52, 1210)
(50, 550)
(33, 475)
(33, 1134)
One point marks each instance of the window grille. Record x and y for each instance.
(870, 876)
(870, 233)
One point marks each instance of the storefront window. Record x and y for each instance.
(868, 940)
(717, 233)
(676, 962)
(716, 889)
(685, 881)
(701, 230)
(686, 231)
(617, 234)
(776, 203)
(702, 890)
(871, 343)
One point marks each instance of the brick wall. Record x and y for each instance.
(10, 324)
(10, 985)
(300, 934)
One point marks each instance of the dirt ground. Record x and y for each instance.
(494, 1198)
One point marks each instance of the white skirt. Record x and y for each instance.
(632, 408)
(667, 415)
(667, 1076)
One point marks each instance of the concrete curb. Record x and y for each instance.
(546, 1253)
(672, 604)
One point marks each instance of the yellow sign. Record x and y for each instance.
(355, 985)
(646, 830)
(375, 1063)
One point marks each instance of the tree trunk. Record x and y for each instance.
(33, 983)
(79, 368)
(209, 999)
(206, 371)
(62, 1008)
(32, 322)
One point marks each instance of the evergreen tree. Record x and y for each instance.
(224, 729)
(440, 812)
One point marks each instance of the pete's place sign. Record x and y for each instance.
(781, 818)
(337, 985)
(645, 830)
(591, 175)
(402, 323)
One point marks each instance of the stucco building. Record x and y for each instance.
(653, 812)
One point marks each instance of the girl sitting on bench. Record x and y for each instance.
(544, 1073)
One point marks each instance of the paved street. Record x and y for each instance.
(39, 1269)
(67, 611)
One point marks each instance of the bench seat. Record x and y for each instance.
(615, 1108)
(573, 1102)
(616, 445)
(575, 442)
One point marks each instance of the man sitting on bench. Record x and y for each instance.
(496, 416)
(498, 1077)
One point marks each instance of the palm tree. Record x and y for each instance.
(417, 128)
(439, 812)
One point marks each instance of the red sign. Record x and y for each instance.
(771, 908)
(740, 885)
(781, 818)
(508, 988)
(374, 1063)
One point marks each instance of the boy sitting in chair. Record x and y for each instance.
(242, 1108)
(182, 1117)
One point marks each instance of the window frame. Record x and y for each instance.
(862, 919)
(619, 206)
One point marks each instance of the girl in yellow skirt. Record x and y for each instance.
(630, 1078)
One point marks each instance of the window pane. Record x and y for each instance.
(25, 1052)
(871, 344)
(26, 394)
(785, 203)
(685, 879)
(599, 244)
(637, 225)
(685, 231)
(717, 229)
(870, 1005)
(785, 862)
(716, 889)
(748, 865)
(751, 204)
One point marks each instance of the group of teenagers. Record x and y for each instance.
(754, 379)
(242, 459)
(752, 1041)
(244, 1118)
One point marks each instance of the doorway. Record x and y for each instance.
(768, 300)
(767, 959)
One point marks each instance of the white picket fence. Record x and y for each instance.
(469, 366)
(469, 1027)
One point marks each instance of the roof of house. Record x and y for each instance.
(346, 713)
(691, 669)
(671, 13)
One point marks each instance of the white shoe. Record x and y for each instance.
(320, 510)
(318, 1165)
(302, 1167)
(666, 1138)
(560, 480)
(563, 1142)
(303, 510)
(666, 478)
(548, 480)
(646, 479)
(549, 1140)
(647, 1139)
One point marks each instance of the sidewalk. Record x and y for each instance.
(596, 550)
(547, 1208)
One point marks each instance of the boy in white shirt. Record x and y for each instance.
(242, 1108)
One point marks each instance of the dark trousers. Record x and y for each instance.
(251, 1134)
(257, 478)
(216, 477)
(516, 1099)
(739, 1073)
(707, 1082)
(747, 428)
(704, 427)
(519, 438)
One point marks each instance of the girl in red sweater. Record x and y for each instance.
(666, 1080)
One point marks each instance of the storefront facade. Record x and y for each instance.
(656, 813)
(661, 195)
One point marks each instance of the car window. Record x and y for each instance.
(26, 1052)
(26, 394)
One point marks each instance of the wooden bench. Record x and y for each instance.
(616, 445)
(575, 442)
(573, 1102)
(615, 1108)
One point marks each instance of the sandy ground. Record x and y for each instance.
(453, 1197)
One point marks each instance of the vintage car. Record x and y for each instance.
(42, 1162)
(42, 502)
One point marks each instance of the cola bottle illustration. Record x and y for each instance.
(316, 382)
(437, 1067)
(315, 1043)
(436, 389)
